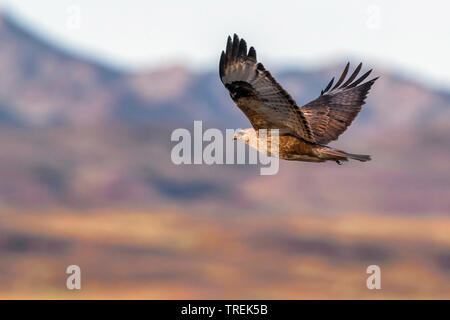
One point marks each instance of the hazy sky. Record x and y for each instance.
(409, 36)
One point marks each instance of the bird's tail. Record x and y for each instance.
(339, 155)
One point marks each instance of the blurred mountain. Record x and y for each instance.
(44, 85)
(76, 133)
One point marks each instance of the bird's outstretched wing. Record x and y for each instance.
(265, 103)
(334, 110)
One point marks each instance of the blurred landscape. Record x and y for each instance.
(86, 178)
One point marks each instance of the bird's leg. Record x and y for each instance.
(338, 162)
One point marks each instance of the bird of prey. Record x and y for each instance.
(303, 131)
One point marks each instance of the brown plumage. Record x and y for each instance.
(304, 131)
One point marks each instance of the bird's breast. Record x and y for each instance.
(291, 148)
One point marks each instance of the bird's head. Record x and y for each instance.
(245, 135)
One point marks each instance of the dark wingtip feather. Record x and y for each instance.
(260, 67)
(353, 76)
(252, 54)
(371, 82)
(361, 79)
(343, 75)
(235, 47)
(229, 47)
(222, 63)
(328, 86)
(373, 79)
(242, 53)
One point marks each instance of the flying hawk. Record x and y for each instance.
(303, 131)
